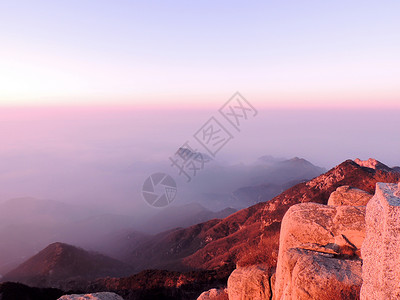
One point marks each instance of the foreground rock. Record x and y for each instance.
(249, 283)
(214, 294)
(346, 195)
(95, 296)
(316, 275)
(381, 248)
(319, 252)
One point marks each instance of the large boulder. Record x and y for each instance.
(323, 239)
(381, 248)
(347, 195)
(316, 275)
(214, 294)
(95, 296)
(250, 282)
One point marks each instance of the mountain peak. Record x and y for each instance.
(60, 262)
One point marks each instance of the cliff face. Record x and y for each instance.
(319, 254)
(381, 248)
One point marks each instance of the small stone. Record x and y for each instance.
(249, 283)
(214, 294)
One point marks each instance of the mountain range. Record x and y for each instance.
(247, 237)
(29, 224)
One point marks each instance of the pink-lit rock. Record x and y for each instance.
(381, 247)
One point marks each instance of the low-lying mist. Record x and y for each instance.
(75, 175)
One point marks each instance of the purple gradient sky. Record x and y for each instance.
(195, 53)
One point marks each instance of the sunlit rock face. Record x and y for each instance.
(214, 294)
(347, 195)
(381, 248)
(317, 275)
(372, 164)
(250, 282)
(319, 252)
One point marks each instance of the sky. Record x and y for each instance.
(95, 94)
(195, 53)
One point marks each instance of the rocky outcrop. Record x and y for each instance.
(95, 296)
(214, 294)
(347, 195)
(318, 242)
(249, 283)
(249, 236)
(372, 164)
(381, 248)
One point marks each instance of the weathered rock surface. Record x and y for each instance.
(249, 283)
(323, 239)
(347, 195)
(95, 296)
(316, 275)
(381, 248)
(214, 294)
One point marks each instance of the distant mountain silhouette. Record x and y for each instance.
(216, 187)
(184, 216)
(285, 173)
(28, 225)
(59, 263)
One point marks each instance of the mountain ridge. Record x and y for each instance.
(242, 238)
